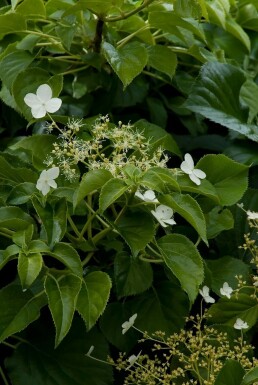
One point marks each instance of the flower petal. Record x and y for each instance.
(169, 221)
(45, 188)
(52, 183)
(53, 105)
(52, 173)
(195, 179)
(44, 93)
(189, 160)
(139, 195)
(149, 196)
(185, 167)
(164, 212)
(31, 100)
(199, 173)
(38, 111)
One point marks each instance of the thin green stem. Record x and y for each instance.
(89, 227)
(9, 345)
(101, 235)
(73, 226)
(3, 376)
(154, 251)
(150, 260)
(128, 14)
(198, 241)
(41, 35)
(129, 37)
(75, 70)
(148, 73)
(88, 258)
(97, 216)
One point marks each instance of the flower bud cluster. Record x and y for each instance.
(110, 147)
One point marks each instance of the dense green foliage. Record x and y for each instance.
(79, 259)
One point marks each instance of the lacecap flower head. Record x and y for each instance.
(42, 102)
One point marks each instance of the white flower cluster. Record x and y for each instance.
(226, 291)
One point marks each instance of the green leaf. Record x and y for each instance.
(135, 24)
(15, 175)
(183, 259)
(11, 23)
(189, 209)
(132, 276)
(32, 9)
(156, 308)
(229, 178)
(38, 146)
(172, 23)
(14, 218)
(162, 59)
(91, 181)
(160, 179)
(101, 7)
(9, 253)
(93, 297)
(218, 220)
(205, 188)
(66, 254)
(29, 267)
(231, 373)
(53, 218)
(62, 296)
(110, 192)
(12, 64)
(22, 238)
(137, 229)
(23, 308)
(127, 61)
(21, 193)
(215, 95)
(248, 93)
(39, 363)
(242, 306)
(250, 377)
(225, 269)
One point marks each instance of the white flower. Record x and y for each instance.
(226, 290)
(128, 324)
(240, 324)
(195, 174)
(132, 359)
(88, 354)
(148, 196)
(164, 215)
(42, 102)
(251, 215)
(205, 294)
(46, 180)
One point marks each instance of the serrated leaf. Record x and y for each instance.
(21, 193)
(22, 238)
(12, 64)
(215, 95)
(132, 276)
(91, 181)
(20, 309)
(11, 23)
(160, 179)
(162, 59)
(93, 297)
(9, 253)
(101, 7)
(62, 296)
(29, 267)
(53, 218)
(229, 178)
(32, 9)
(127, 61)
(218, 220)
(110, 192)
(189, 209)
(39, 363)
(137, 229)
(231, 373)
(66, 254)
(239, 306)
(250, 377)
(249, 93)
(183, 259)
(15, 175)
(14, 218)
(170, 21)
(205, 188)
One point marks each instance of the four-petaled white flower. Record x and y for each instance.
(164, 215)
(46, 180)
(251, 215)
(240, 324)
(226, 290)
(42, 102)
(195, 174)
(132, 359)
(148, 196)
(128, 324)
(205, 294)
